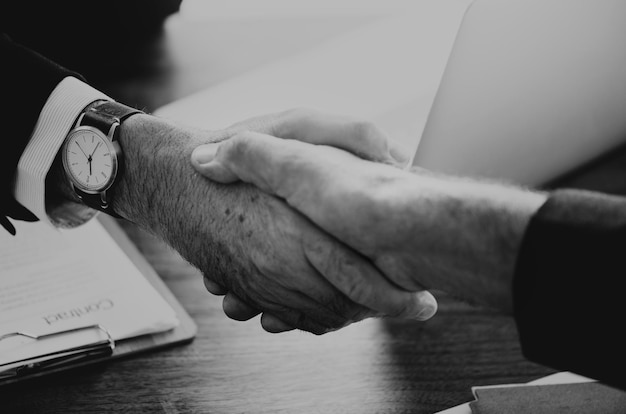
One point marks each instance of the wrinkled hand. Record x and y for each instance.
(290, 171)
(302, 276)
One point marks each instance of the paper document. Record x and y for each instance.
(57, 280)
(564, 377)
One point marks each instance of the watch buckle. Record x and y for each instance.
(104, 203)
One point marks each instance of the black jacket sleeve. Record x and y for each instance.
(26, 81)
(96, 39)
(570, 286)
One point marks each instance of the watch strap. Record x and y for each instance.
(97, 201)
(104, 115)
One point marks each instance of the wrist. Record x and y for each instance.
(162, 194)
(156, 169)
(473, 234)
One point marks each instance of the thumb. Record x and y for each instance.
(203, 160)
(274, 165)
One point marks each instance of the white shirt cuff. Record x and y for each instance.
(57, 117)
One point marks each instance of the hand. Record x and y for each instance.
(246, 241)
(335, 189)
(363, 138)
(418, 229)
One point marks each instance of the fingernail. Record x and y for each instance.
(400, 154)
(426, 313)
(403, 160)
(204, 154)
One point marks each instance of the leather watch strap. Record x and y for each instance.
(104, 115)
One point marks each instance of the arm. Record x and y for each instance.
(569, 285)
(556, 265)
(419, 229)
(27, 80)
(247, 241)
(250, 243)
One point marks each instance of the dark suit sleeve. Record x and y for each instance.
(569, 286)
(26, 81)
(51, 28)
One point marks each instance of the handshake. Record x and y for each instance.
(315, 221)
(325, 244)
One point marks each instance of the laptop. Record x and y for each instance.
(522, 91)
(532, 90)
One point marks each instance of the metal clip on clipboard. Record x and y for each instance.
(66, 347)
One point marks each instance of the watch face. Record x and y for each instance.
(90, 159)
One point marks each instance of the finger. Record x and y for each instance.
(325, 184)
(273, 324)
(213, 287)
(315, 307)
(280, 321)
(359, 137)
(364, 284)
(203, 160)
(237, 309)
(400, 153)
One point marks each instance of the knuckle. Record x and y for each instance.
(237, 147)
(291, 121)
(213, 287)
(240, 142)
(231, 309)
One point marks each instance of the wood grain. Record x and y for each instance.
(376, 366)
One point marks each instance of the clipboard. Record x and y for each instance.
(103, 348)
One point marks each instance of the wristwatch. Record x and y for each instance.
(92, 157)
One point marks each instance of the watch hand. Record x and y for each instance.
(94, 150)
(81, 150)
(89, 161)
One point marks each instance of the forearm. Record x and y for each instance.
(468, 236)
(158, 189)
(27, 81)
(569, 285)
(155, 171)
(420, 229)
(162, 193)
(248, 241)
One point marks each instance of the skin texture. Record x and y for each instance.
(248, 243)
(418, 228)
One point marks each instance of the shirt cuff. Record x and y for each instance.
(57, 117)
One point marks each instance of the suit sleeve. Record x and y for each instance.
(26, 79)
(569, 286)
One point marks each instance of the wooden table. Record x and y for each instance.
(377, 366)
